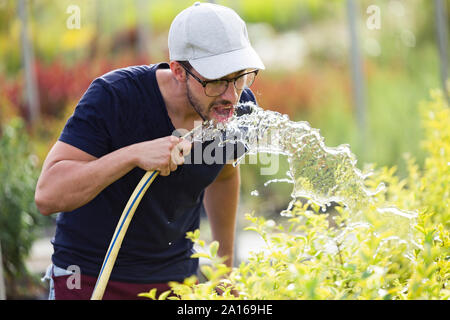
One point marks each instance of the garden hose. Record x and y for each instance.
(119, 234)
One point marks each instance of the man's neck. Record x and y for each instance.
(180, 111)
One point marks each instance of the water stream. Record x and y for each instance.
(319, 173)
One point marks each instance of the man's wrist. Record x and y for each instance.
(132, 160)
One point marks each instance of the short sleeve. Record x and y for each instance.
(87, 128)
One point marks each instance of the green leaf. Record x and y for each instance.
(213, 248)
(151, 294)
(164, 295)
(200, 255)
(207, 271)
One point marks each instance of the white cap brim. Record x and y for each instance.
(218, 66)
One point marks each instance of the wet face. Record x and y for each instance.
(220, 108)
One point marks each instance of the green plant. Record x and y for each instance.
(380, 252)
(19, 217)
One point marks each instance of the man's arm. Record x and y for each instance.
(221, 201)
(70, 177)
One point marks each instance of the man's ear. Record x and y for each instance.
(178, 71)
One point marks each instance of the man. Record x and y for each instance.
(123, 127)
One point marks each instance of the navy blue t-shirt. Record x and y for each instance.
(121, 108)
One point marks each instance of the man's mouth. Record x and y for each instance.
(222, 113)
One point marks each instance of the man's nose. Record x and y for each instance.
(231, 93)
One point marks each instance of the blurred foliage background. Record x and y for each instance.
(304, 44)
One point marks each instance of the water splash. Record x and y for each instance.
(288, 180)
(318, 173)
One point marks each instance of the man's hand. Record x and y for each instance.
(71, 177)
(163, 154)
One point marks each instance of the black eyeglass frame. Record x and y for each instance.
(204, 83)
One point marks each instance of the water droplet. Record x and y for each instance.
(286, 213)
(270, 223)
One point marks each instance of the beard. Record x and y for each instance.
(204, 111)
(195, 103)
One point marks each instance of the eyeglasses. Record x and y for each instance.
(215, 88)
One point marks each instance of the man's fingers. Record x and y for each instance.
(164, 171)
(185, 147)
(165, 167)
(173, 165)
(180, 151)
(176, 156)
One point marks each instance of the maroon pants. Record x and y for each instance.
(115, 290)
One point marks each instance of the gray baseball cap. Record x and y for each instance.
(214, 40)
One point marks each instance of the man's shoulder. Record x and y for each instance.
(127, 73)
